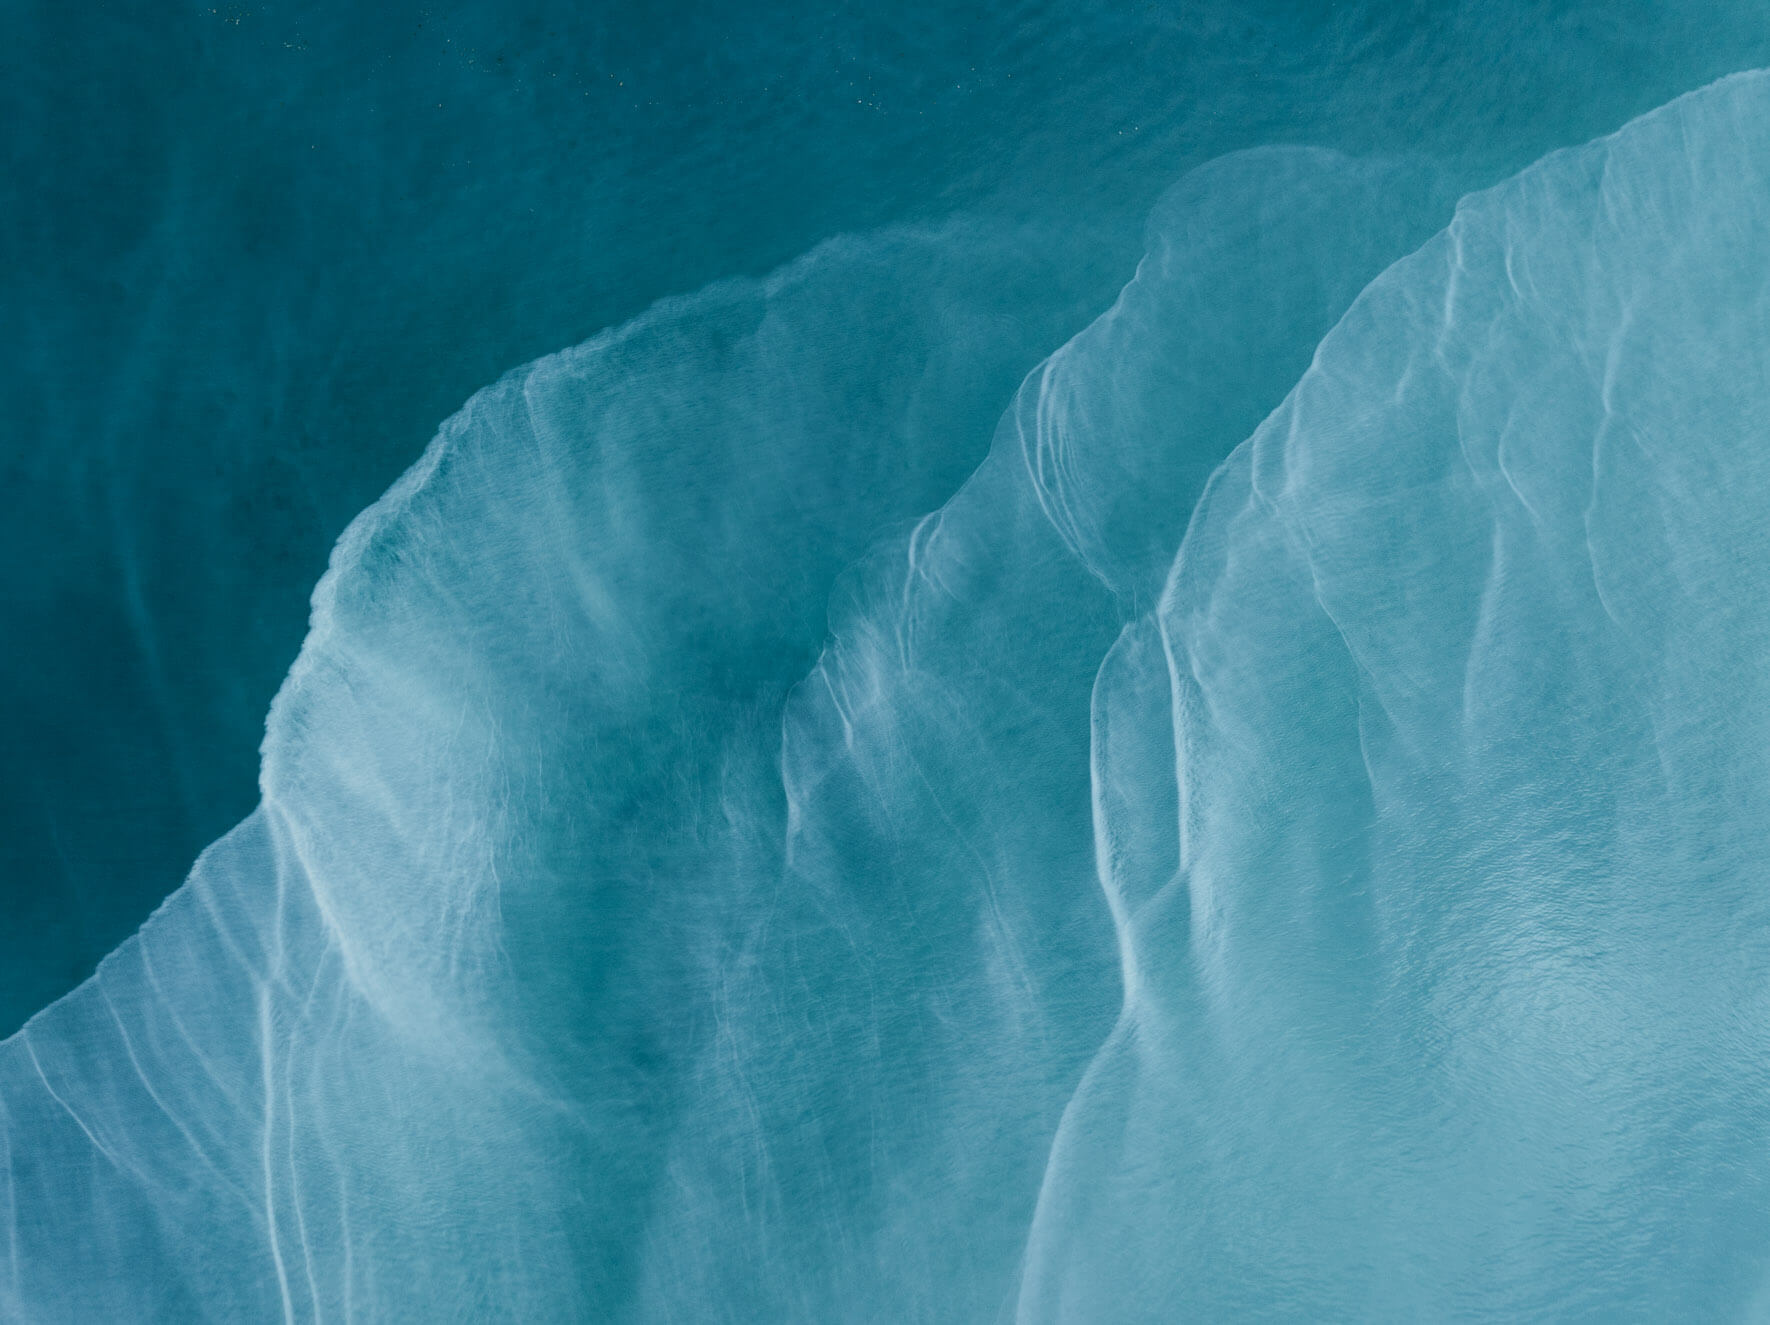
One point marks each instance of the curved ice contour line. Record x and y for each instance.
(604, 950)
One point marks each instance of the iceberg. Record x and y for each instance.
(771, 822)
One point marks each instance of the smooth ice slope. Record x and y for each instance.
(678, 897)
(1450, 997)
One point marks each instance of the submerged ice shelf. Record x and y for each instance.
(1281, 837)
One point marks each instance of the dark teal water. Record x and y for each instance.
(731, 800)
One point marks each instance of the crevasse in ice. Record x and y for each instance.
(1280, 837)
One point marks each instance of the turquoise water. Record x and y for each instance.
(1083, 664)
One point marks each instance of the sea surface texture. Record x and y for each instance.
(1147, 703)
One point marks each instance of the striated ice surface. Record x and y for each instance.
(1274, 833)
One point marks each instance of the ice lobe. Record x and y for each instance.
(1450, 994)
(375, 1057)
(925, 973)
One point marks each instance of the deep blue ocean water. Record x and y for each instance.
(1061, 662)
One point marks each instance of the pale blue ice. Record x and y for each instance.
(1279, 832)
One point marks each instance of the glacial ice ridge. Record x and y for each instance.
(1275, 832)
